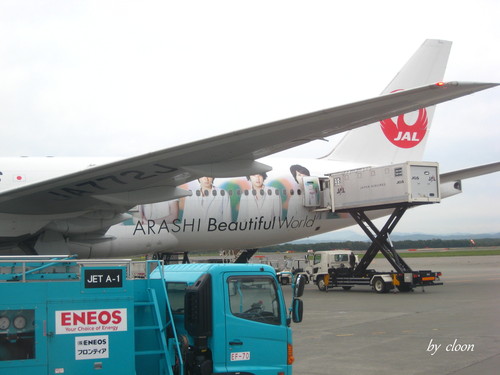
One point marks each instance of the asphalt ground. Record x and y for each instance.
(448, 329)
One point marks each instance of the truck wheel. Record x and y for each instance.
(347, 287)
(284, 281)
(321, 284)
(379, 285)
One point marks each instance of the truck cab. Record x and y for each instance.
(320, 262)
(231, 318)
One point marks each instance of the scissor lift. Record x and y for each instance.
(394, 188)
(403, 277)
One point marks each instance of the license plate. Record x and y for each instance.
(240, 356)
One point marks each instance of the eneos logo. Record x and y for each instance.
(78, 321)
(402, 134)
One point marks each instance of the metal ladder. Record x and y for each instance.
(162, 350)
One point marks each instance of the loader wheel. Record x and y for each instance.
(321, 284)
(379, 285)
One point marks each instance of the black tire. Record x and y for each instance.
(321, 284)
(379, 285)
(347, 287)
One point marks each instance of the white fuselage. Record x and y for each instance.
(231, 213)
(221, 213)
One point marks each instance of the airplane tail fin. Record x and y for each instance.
(402, 138)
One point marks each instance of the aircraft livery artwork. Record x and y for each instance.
(252, 203)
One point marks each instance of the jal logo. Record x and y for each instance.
(404, 133)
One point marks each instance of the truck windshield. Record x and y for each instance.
(254, 298)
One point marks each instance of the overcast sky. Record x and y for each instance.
(121, 78)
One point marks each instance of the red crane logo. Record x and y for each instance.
(405, 135)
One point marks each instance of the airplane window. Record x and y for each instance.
(299, 192)
(284, 192)
(247, 192)
(205, 193)
(269, 192)
(230, 192)
(222, 192)
(292, 192)
(277, 192)
(261, 192)
(254, 192)
(214, 192)
(198, 193)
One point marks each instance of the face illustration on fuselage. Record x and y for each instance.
(206, 183)
(257, 181)
(300, 177)
(263, 206)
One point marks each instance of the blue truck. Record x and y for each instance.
(68, 316)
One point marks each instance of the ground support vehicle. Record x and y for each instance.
(394, 188)
(65, 316)
(294, 268)
(345, 271)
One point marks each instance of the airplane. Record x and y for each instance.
(225, 192)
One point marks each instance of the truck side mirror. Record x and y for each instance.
(300, 283)
(297, 310)
(198, 307)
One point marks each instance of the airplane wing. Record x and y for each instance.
(469, 172)
(154, 176)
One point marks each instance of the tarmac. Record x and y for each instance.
(448, 329)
